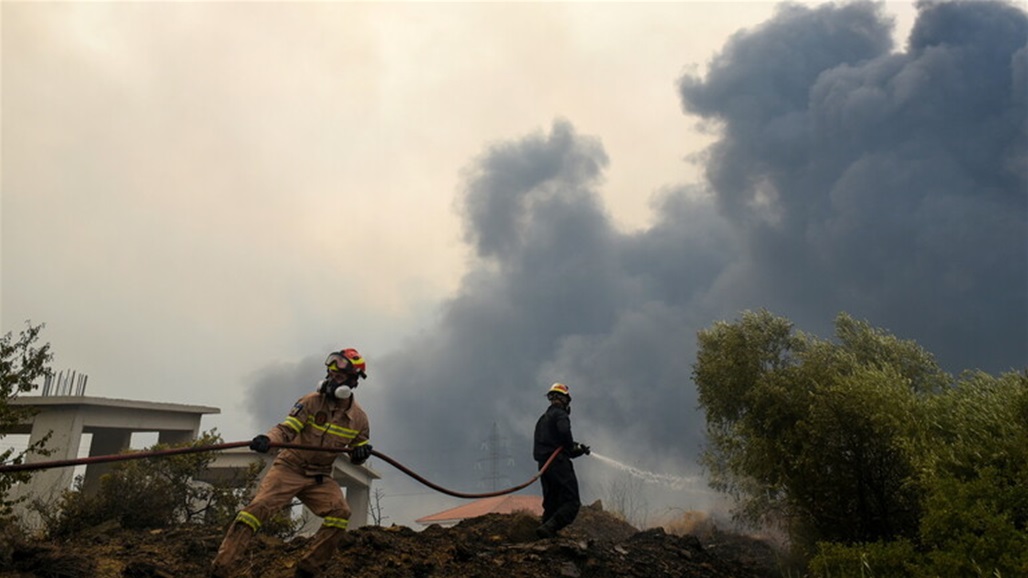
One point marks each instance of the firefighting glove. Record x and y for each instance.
(261, 443)
(360, 454)
(578, 449)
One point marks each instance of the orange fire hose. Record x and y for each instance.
(12, 468)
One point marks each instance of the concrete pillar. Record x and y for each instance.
(64, 426)
(358, 497)
(106, 441)
(176, 437)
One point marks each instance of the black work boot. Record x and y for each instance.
(545, 531)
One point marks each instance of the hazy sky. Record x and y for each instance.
(200, 200)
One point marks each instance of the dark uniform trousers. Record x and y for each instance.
(560, 493)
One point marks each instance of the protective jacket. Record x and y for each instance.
(553, 430)
(317, 420)
(560, 485)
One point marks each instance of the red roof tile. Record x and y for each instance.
(495, 505)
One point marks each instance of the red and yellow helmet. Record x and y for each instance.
(348, 361)
(559, 388)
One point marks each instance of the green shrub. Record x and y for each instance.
(970, 530)
(151, 493)
(878, 560)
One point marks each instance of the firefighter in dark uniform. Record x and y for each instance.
(560, 485)
(329, 417)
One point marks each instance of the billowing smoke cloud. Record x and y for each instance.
(892, 186)
(557, 294)
(848, 177)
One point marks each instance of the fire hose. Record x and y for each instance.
(12, 468)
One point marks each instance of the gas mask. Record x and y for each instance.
(341, 378)
(336, 388)
(563, 400)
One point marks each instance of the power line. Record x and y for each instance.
(497, 452)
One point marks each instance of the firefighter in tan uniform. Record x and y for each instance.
(331, 418)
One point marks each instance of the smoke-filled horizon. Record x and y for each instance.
(848, 175)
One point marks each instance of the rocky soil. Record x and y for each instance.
(598, 544)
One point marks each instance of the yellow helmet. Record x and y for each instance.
(559, 388)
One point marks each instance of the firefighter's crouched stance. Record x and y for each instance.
(332, 418)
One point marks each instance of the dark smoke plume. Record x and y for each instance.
(847, 177)
(892, 186)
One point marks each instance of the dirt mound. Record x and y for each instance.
(598, 544)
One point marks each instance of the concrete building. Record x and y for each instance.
(113, 421)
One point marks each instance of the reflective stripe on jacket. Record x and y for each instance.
(317, 420)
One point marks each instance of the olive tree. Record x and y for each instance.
(22, 363)
(820, 437)
(974, 478)
(976, 513)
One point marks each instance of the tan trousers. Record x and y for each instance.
(277, 489)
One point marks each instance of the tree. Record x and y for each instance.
(818, 437)
(22, 363)
(975, 483)
(875, 461)
(976, 518)
(375, 507)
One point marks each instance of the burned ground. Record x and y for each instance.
(598, 544)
